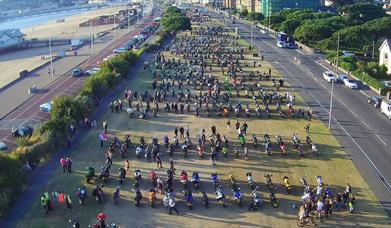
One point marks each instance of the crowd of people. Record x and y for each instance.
(186, 84)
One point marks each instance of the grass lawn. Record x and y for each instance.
(332, 164)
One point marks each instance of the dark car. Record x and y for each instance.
(77, 72)
(24, 131)
(375, 100)
(3, 147)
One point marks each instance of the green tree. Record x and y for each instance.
(243, 12)
(289, 26)
(361, 12)
(255, 16)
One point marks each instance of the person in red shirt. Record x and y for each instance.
(63, 163)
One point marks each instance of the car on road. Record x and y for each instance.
(351, 84)
(281, 44)
(92, 71)
(264, 31)
(46, 107)
(329, 76)
(385, 108)
(119, 50)
(3, 147)
(24, 131)
(291, 45)
(387, 83)
(375, 101)
(77, 72)
(342, 78)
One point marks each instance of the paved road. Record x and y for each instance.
(363, 131)
(28, 112)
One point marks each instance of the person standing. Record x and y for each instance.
(229, 125)
(187, 131)
(159, 161)
(182, 132)
(105, 126)
(307, 127)
(237, 125)
(176, 131)
(69, 164)
(172, 204)
(244, 128)
(63, 164)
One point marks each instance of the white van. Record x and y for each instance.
(385, 108)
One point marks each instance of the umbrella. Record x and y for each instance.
(101, 216)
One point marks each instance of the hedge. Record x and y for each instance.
(53, 134)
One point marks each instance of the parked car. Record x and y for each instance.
(348, 54)
(375, 101)
(46, 107)
(77, 72)
(24, 131)
(119, 50)
(329, 76)
(342, 78)
(281, 44)
(3, 147)
(92, 71)
(387, 83)
(385, 108)
(264, 31)
(351, 84)
(291, 45)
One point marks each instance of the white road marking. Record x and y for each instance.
(366, 124)
(364, 93)
(381, 140)
(300, 52)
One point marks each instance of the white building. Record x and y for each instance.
(385, 54)
(11, 38)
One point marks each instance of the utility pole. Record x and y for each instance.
(252, 25)
(115, 30)
(373, 50)
(92, 39)
(51, 57)
(129, 20)
(270, 13)
(332, 85)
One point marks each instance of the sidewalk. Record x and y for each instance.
(15, 94)
(38, 178)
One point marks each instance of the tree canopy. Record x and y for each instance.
(174, 20)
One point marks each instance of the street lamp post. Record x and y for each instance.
(129, 20)
(332, 85)
(252, 25)
(373, 50)
(115, 30)
(51, 57)
(92, 39)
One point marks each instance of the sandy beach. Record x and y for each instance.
(70, 27)
(14, 62)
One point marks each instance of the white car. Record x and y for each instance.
(387, 83)
(264, 31)
(329, 76)
(119, 50)
(46, 107)
(281, 44)
(342, 78)
(93, 71)
(351, 84)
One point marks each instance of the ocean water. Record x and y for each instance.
(30, 21)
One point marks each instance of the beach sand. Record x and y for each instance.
(14, 62)
(70, 27)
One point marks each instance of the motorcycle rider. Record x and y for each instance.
(220, 196)
(189, 199)
(121, 174)
(195, 179)
(184, 179)
(97, 192)
(250, 180)
(152, 197)
(257, 200)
